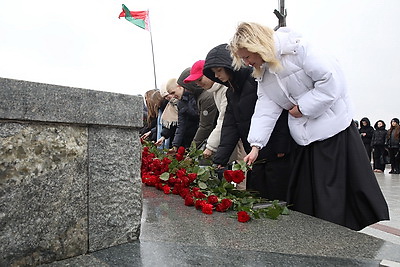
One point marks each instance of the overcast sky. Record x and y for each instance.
(82, 43)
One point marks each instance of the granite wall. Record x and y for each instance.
(69, 171)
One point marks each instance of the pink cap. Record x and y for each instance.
(195, 72)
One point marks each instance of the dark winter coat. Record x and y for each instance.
(368, 130)
(188, 120)
(241, 96)
(150, 127)
(393, 137)
(379, 135)
(206, 107)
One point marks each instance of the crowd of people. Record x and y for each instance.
(381, 144)
(272, 99)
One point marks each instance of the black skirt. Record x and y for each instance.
(333, 180)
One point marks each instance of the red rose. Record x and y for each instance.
(189, 201)
(194, 189)
(172, 180)
(238, 176)
(176, 190)
(226, 202)
(243, 216)
(192, 176)
(179, 157)
(184, 192)
(185, 181)
(207, 208)
(181, 173)
(220, 208)
(181, 150)
(212, 199)
(159, 186)
(228, 174)
(166, 160)
(166, 189)
(199, 203)
(199, 194)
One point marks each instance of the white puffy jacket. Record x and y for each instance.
(310, 79)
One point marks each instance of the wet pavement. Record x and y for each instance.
(173, 234)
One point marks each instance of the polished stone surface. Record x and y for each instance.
(390, 185)
(176, 235)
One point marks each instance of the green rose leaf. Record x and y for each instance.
(164, 176)
(202, 185)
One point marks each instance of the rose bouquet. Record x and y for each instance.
(180, 173)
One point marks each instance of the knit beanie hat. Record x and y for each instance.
(192, 87)
(396, 120)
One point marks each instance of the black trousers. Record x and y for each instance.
(377, 154)
(394, 161)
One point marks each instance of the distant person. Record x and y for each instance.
(392, 143)
(188, 115)
(378, 145)
(332, 178)
(168, 119)
(270, 172)
(366, 131)
(208, 111)
(219, 92)
(153, 101)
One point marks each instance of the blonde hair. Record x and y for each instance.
(153, 100)
(256, 38)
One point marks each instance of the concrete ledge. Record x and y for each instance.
(22, 100)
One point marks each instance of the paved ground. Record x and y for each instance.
(175, 235)
(388, 230)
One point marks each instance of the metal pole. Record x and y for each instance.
(154, 64)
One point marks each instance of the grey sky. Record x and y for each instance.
(83, 43)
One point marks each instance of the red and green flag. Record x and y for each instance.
(139, 18)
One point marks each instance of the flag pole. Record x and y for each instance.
(152, 50)
(154, 64)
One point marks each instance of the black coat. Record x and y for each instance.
(188, 120)
(379, 135)
(368, 130)
(241, 96)
(150, 127)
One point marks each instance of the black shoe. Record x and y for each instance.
(391, 172)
